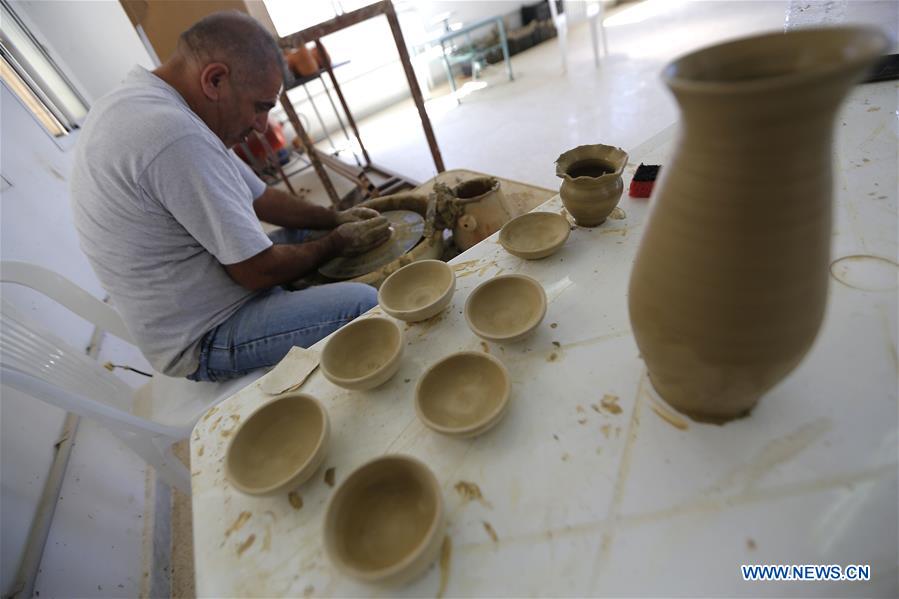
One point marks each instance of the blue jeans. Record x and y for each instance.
(264, 329)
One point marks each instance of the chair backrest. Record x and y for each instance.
(40, 364)
(67, 293)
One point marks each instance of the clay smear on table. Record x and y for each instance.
(469, 491)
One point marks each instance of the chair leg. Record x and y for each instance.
(158, 453)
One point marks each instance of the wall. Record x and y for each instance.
(96, 45)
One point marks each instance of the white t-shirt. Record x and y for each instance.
(160, 204)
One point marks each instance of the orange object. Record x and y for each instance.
(274, 135)
(301, 62)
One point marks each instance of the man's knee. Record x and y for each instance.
(359, 296)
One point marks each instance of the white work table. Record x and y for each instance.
(582, 496)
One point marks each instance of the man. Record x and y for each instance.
(169, 217)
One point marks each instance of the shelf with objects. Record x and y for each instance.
(370, 180)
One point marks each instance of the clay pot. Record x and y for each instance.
(591, 182)
(418, 291)
(730, 282)
(535, 235)
(484, 210)
(301, 62)
(506, 308)
(385, 522)
(463, 395)
(279, 446)
(363, 354)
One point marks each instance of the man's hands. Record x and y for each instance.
(355, 214)
(362, 235)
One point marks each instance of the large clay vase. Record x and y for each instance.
(591, 182)
(730, 282)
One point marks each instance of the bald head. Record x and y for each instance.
(233, 38)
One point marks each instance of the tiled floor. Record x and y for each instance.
(510, 129)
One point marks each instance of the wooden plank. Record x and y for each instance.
(413, 85)
(346, 109)
(310, 149)
(333, 25)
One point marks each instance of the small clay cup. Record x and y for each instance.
(506, 308)
(535, 235)
(279, 446)
(463, 395)
(385, 522)
(591, 182)
(363, 354)
(418, 291)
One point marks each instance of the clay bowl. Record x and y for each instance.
(463, 395)
(385, 522)
(535, 235)
(418, 291)
(506, 308)
(363, 354)
(279, 446)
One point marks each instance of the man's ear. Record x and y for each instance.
(213, 77)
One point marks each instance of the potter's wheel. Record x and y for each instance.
(406, 229)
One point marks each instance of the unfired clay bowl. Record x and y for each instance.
(506, 308)
(535, 235)
(385, 522)
(279, 446)
(463, 395)
(418, 291)
(363, 354)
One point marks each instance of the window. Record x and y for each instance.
(30, 73)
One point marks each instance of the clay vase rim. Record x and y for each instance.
(309, 462)
(869, 43)
(535, 320)
(488, 421)
(346, 330)
(519, 251)
(494, 186)
(375, 576)
(617, 160)
(406, 315)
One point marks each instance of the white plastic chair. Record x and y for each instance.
(38, 363)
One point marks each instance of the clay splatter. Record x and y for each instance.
(245, 545)
(557, 344)
(212, 411)
(200, 450)
(618, 214)
(610, 404)
(296, 502)
(595, 408)
(582, 421)
(566, 456)
(606, 430)
(308, 591)
(446, 554)
(553, 325)
(485, 348)
(874, 109)
(235, 420)
(329, 476)
(238, 524)
(215, 424)
(490, 531)
(669, 417)
(750, 544)
(580, 409)
(555, 436)
(552, 357)
(471, 492)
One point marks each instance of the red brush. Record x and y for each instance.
(644, 179)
